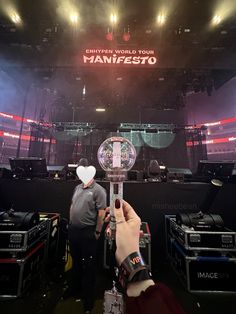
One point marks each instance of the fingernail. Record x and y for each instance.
(117, 203)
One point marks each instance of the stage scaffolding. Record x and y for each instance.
(66, 142)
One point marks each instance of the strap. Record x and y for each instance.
(129, 267)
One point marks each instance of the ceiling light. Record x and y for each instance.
(84, 90)
(113, 18)
(74, 18)
(100, 109)
(161, 19)
(15, 18)
(217, 19)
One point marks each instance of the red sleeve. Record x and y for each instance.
(156, 299)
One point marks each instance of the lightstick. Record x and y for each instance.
(116, 155)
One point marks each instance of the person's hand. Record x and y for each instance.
(127, 230)
(97, 236)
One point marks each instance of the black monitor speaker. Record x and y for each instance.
(215, 169)
(31, 167)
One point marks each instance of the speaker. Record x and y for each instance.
(215, 169)
(180, 172)
(29, 167)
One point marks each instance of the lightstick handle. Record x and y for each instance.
(116, 192)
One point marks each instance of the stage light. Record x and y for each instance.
(109, 35)
(223, 10)
(217, 19)
(126, 36)
(15, 18)
(11, 12)
(113, 18)
(84, 90)
(100, 109)
(74, 18)
(68, 12)
(161, 19)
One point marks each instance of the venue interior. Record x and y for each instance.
(158, 78)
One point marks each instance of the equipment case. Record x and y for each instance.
(16, 273)
(215, 274)
(53, 230)
(198, 240)
(21, 241)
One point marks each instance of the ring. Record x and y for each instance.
(120, 221)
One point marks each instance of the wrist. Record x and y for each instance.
(97, 232)
(134, 289)
(133, 269)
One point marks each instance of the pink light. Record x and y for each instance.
(212, 123)
(5, 115)
(26, 137)
(229, 120)
(18, 118)
(224, 121)
(109, 36)
(7, 134)
(126, 36)
(213, 141)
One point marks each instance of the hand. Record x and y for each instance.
(127, 230)
(97, 236)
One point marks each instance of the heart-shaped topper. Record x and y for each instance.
(86, 174)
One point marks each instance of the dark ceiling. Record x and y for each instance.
(187, 32)
(192, 55)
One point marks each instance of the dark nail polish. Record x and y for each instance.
(117, 203)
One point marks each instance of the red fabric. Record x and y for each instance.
(157, 299)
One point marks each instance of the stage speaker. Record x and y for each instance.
(30, 167)
(222, 170)
(180, 174)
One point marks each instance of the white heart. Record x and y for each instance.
(86, 174)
